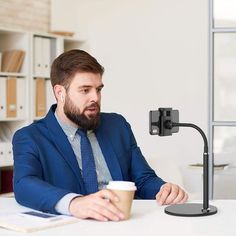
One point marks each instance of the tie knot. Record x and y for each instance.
(82, 132)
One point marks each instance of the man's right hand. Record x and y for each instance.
(96, 206)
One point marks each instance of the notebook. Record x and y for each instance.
(30, 221)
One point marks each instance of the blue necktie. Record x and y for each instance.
(88, 164)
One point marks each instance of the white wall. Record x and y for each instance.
(155, 55)
(63, 15)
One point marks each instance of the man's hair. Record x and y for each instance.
(65, 66)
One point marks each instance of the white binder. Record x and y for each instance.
(42, 57)
(2, 154)
(8, 154)
(3, 81)
(46, 57)
(38, 55)
(20, 98)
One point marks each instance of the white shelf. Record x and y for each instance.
(40, 76)
(11, 194)
(8, 74)
(11, 39)
(13, 119)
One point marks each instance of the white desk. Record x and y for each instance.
(147, 219)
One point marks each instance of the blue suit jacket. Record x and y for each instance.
(46, 169)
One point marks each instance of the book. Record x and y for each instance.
(30, 221)
(3, 99)
(12, 60)
(19, 61)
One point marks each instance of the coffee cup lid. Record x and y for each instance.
(121, 185)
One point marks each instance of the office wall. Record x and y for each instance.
(155, 55)
(64, 15)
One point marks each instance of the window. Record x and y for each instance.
(222, 61)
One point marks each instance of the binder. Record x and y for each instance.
(42, 57)
(11, 97)
(8, 154)
(2, 154)
(46, 58)
(50, 98)
(38, 53)
(21, 90)
(40, 97)
(3, 101)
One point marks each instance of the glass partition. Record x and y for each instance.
(225, 77)
(222, 98)
(224, 13)
(225, 145)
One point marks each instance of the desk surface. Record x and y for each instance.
(148, 218)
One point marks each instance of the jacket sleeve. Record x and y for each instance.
(29, 187)
(147, 182)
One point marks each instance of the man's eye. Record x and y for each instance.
(99, 90)
(85, 90)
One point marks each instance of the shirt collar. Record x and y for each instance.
(69, 130)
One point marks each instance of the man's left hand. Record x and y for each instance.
(171, 194)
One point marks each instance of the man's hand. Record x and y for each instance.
(96, 206)
(171, 194)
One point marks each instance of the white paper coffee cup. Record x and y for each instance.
(125, 192)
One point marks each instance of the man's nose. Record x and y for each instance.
(95, 96)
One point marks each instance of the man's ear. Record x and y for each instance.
(62, 97)
(59, 92)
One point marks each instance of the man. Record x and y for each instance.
(63, 162)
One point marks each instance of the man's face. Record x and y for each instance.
(83, 100)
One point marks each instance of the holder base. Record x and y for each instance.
(190, 210)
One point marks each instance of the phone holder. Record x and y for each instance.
(164, 122)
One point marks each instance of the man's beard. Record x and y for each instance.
(76, 116)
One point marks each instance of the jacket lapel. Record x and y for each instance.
(62, 144)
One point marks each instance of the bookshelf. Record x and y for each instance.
(25, 87)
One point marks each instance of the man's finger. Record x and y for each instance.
(107, 198)
(185, 198)
(173, 194)
(108, 212)
(107, 194)
(97, 216)
(164, 193)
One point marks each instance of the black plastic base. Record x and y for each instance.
(190, 209)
